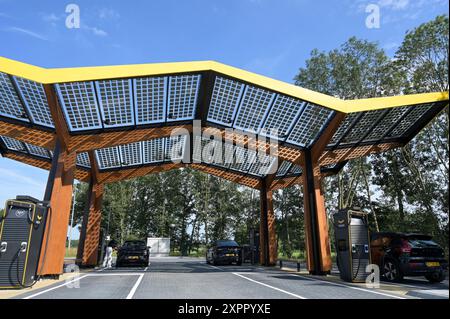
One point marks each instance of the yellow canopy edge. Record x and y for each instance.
(61, 75)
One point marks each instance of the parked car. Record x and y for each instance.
(133, 252)
(224, 252)
(400, 255)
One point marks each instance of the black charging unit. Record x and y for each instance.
(351, 232)
(21, 233)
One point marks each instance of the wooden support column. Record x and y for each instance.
(89, 249)
(59, 194)
(87, 254)
(316, 223)
(267, 232)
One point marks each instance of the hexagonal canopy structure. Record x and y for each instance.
(105, 124)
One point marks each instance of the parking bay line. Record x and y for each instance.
(53, 288)
(269, 286)
(136, 285)
(81, 277)
(351, 287)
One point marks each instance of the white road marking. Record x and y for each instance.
(215, 267)
(146, 268)
(53, 288)
(116, 274)
(133, 290)
(272, 287)
(351, 287)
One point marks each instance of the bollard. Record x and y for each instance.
(281, 264)
(298, 267)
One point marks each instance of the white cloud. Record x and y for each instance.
(394, 4)
(108, 13)
(27, 32)
(95, 31)
(51, 17)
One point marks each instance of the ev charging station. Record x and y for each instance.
(352, 242)
(21, 233)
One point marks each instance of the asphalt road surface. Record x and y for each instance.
(189, 278)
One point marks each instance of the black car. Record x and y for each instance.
(400, 255)
(133, 252)
(224, 252)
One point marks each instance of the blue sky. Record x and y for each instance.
(269, 37)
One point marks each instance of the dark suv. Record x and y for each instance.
(133, 252)
(224, 252)
(400, 255)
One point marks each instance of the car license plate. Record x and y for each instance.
(133, 257)
(432, 264)
(229, 255)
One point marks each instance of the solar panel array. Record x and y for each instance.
(150, 99)
(378, 125)
(152, 151)
(38, 151)
(282, 116)
(253, 109)
(35, 100)
(83, 160)
(116, 102)
(234, 157)
(120, 103)
(10, 104)
(310, 123)
(79, 104)
(183, 93)
(257, 110)
(225, 101)
(146, 100)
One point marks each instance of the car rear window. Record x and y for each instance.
(134, 245)
(421, 243)
(227, 243)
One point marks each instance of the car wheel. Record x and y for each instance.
(239, 263)
(435, 277)
(215, 263)
(391, 271)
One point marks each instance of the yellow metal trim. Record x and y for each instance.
(28, 245)
(51, 76)
(3, 219)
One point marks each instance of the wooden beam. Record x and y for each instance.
(231, 176)
(59, 194)
(62, 131)
(93, 141)
(285, 182)
(345, 154)
(241, 139)
(87, 254)
(28, 134)
(267, 229)
(325, 138)
(90, 227)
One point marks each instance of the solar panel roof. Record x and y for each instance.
(124, 115)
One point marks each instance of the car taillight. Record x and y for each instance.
(406, 247)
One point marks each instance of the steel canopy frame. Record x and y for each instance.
(80, 110)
